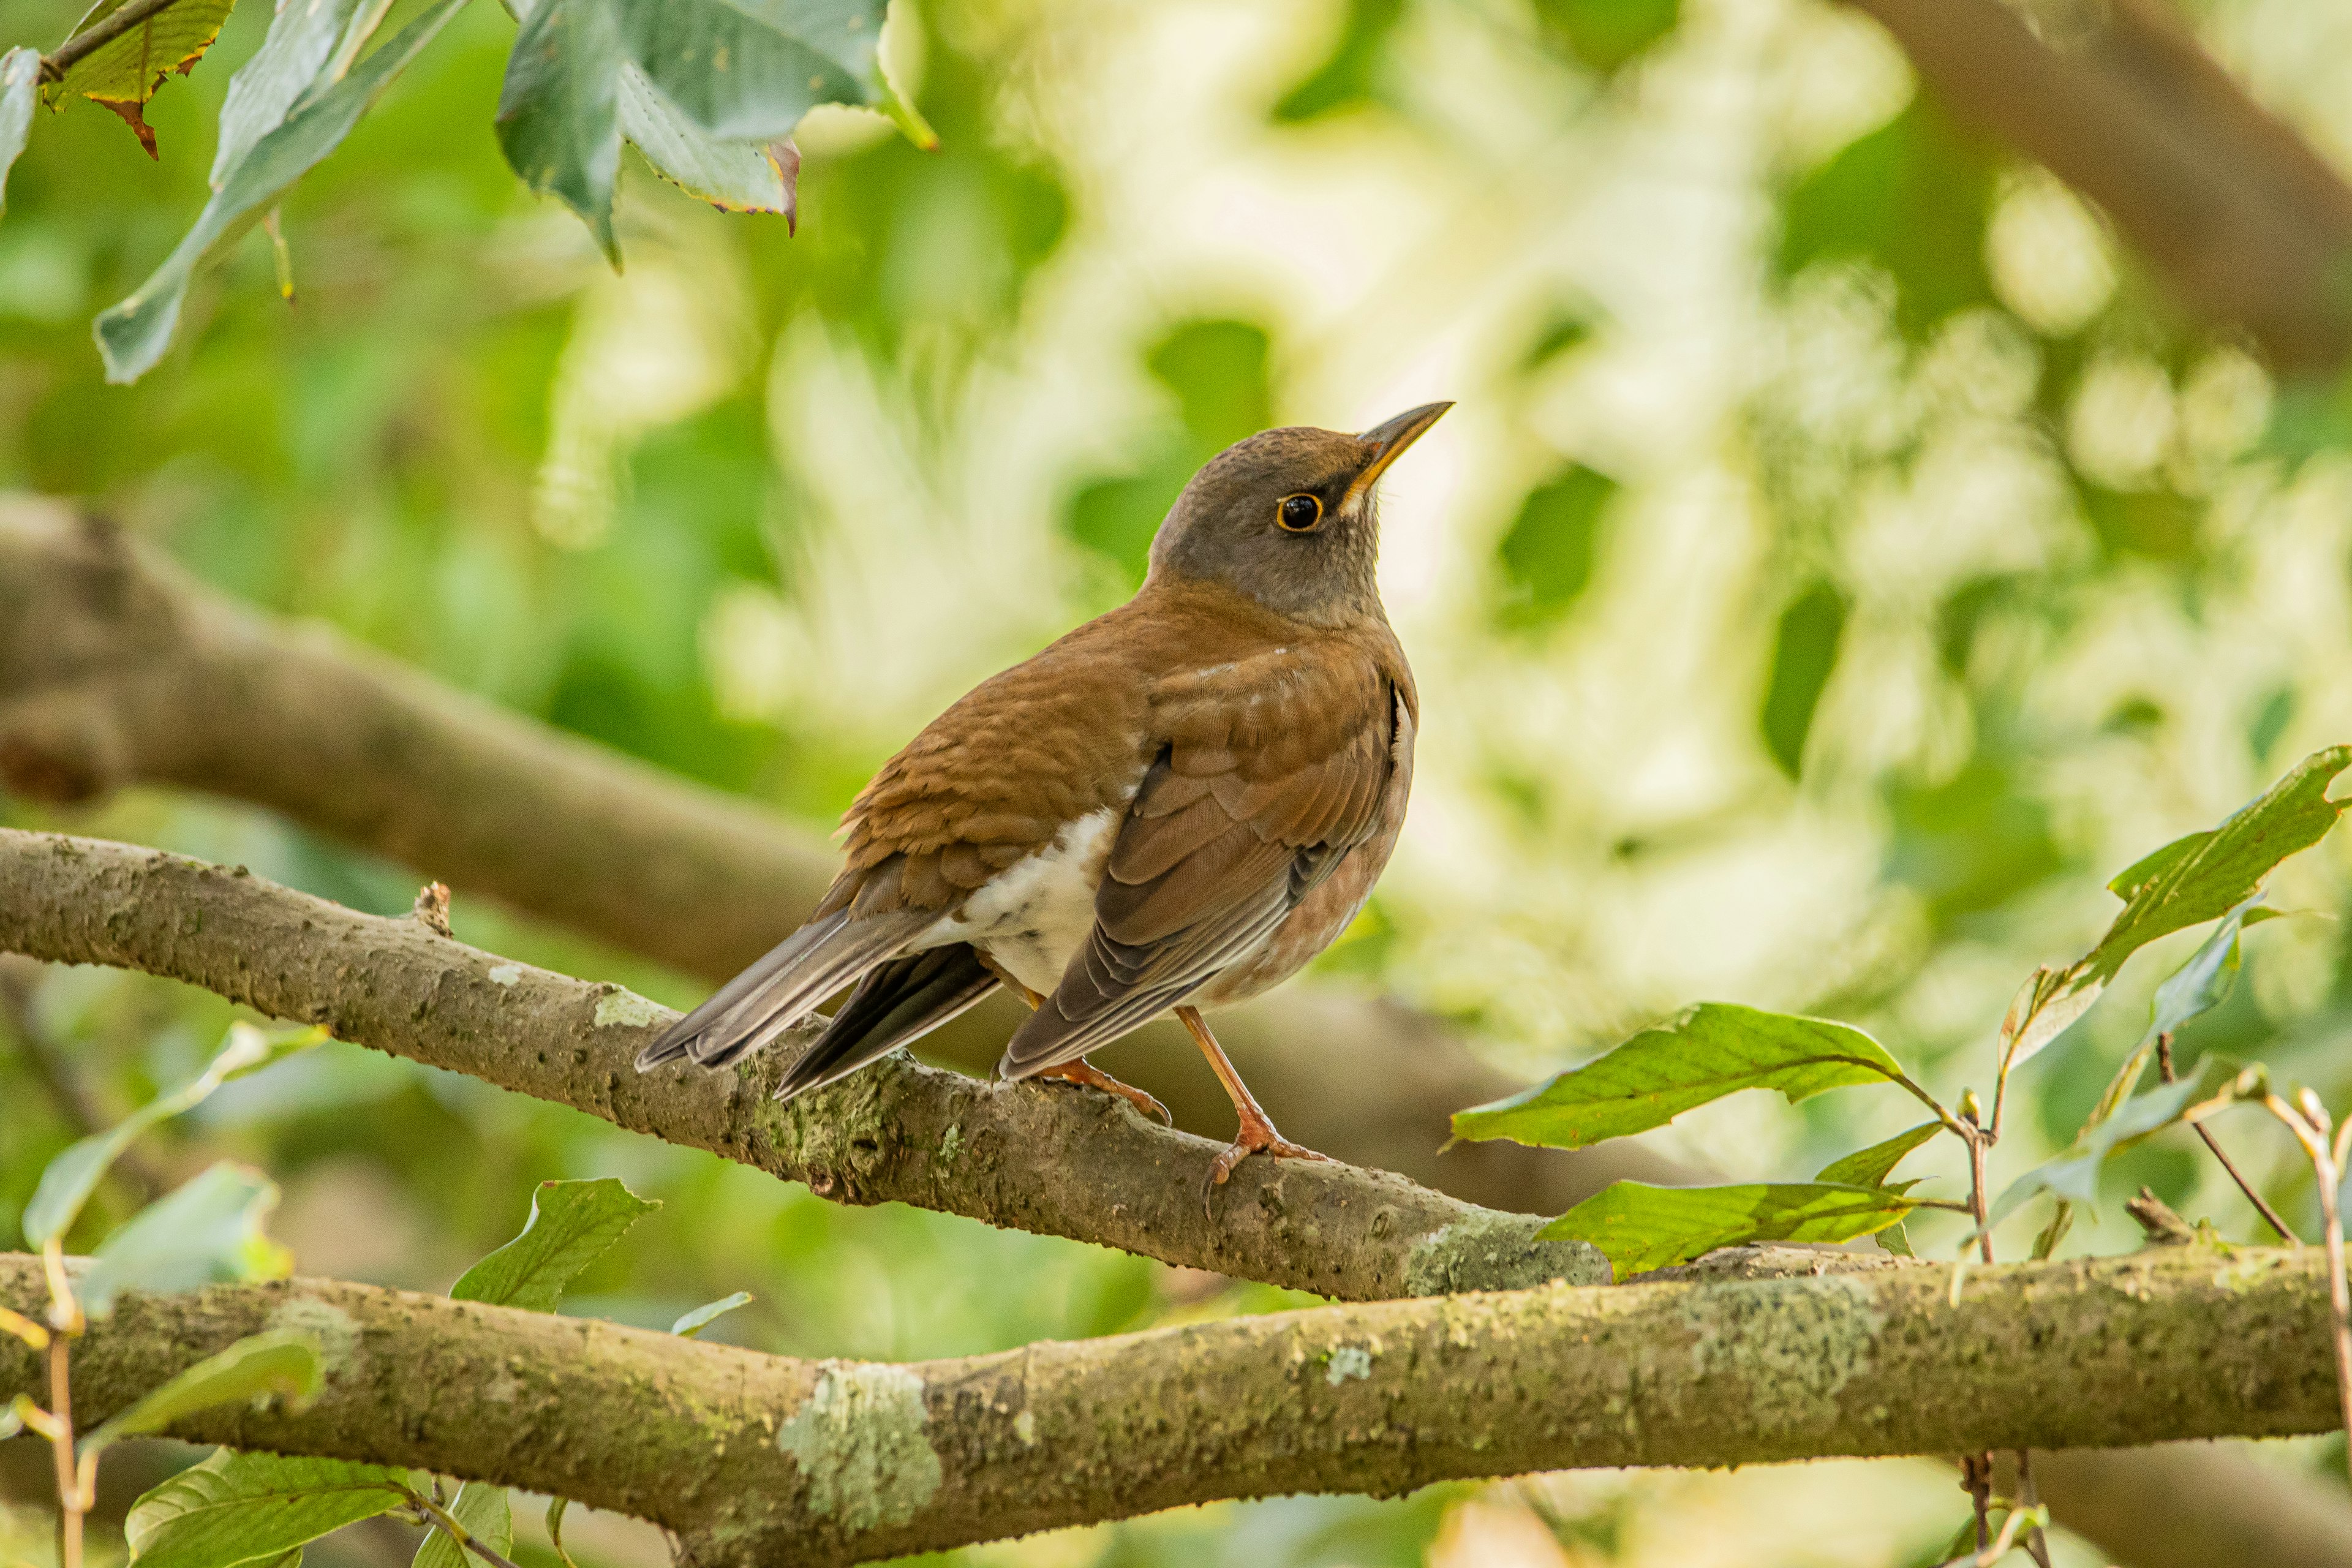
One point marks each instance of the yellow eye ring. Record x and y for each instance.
(1298, 513)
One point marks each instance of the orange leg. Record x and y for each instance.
(1257, 1133)
(1082, 1071)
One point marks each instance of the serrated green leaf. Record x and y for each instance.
(1870, 1167)
(280, 1363)
(736, 176)
(205, 1233)
(1710, 1050)
(571, 1225)
(133, 334)
(748, 69)
(239, 1508)
(68, 1179)
(702, 1317)
(301, 39)
(125, 71)
(559, 116)
(2196, 987)
(2073, 1176)
(20, 89)
(484, 1512)
(1640, 1227)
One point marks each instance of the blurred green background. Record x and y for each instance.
(1840, 561)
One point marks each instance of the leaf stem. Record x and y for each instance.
(447, 1524)
(2270, 1216)
(2311, 1127)
(99, 34)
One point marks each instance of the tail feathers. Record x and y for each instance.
(757, 1006)
(896, 1002)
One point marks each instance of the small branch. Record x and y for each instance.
(97, 34)
(2308, 1120)
(2270, 1216)
(467, 1541)
(749, 1457)
(1051, 1159)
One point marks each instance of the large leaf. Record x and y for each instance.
(2187, 882)
(737, 176)
(20, 89)
(1870, 1167)
(207, 1232)
(485, 1513)
(1711, 1050)
(571, 1225)
(250, 1508)
(301, 39)
(125, 71)
(68, 1179)
(1640, 1227)
(2073, 1176)
(133, 335)
(278, 1364)
(722, 82)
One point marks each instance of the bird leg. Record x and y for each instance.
(1258, 1132)
(1081, 1071)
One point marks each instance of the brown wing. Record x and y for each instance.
(1274, 769)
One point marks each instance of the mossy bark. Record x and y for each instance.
(1049, 1158)
(758, 1459)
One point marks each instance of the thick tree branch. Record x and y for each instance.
(1053, 1159)
(2244, 221)
(759, 1459)
(115, 669)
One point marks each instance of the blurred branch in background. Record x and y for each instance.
(2245, 222)
(1046, 1159)
(1383, 1397)
(116, 670)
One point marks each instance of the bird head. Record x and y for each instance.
(1288, 518)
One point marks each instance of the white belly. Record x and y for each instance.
(1032, 917)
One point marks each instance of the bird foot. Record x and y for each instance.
(1257, 1136)
(1084, 1072)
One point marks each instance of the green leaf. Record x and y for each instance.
(301, 39)
(125, 71)
(277, 1364)
(1710, 1050)
(133, 334)
(1548, 555)
(555, 1509)
(1346, 76)
(2197, 986)
(559, 118)
(20, 89)
(2073, 1176)
(1804, 654)
(571, 1225)
(207, 1232)
(254, 1507)
(1607, 35)
(736, 176)
(702, 1317)
(1870, 1167)
(486, 1514)
(2187, 882)
(1640, 1227)
(69, 1178)
(721, 82)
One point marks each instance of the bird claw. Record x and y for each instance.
(1256, 1138)
(1088, 1075)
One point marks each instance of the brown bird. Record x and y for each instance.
(1174, 806)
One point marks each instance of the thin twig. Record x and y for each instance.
(444, 1520)
(65, 1323)
(2037, 1545)
(2269, 1214)
(2311, 1126)
(97, 34)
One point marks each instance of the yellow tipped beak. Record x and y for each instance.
(1387, 442)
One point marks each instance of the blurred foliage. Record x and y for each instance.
(1840, 552)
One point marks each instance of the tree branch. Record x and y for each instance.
(759, 1459)
(115, 669)
(2245, 222)
(1056, 1159)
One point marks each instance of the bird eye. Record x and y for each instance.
(1297, 514)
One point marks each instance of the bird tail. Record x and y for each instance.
(761, 1005)
(899, 1001)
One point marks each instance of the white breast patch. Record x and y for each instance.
(1034, 915)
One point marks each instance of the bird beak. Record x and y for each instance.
(1386, 442)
